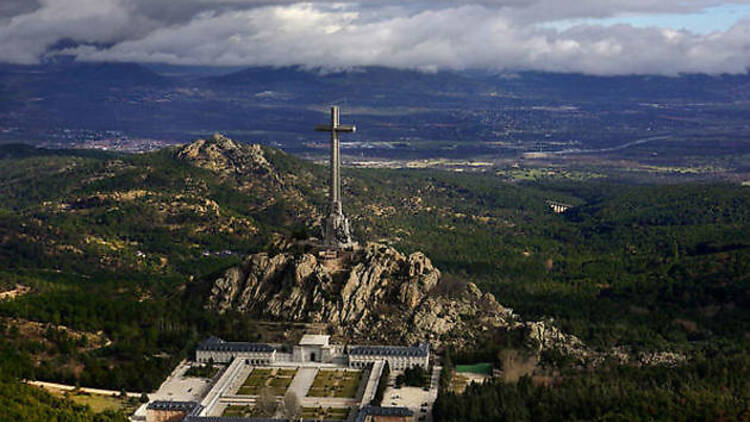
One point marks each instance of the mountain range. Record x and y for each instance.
(400, 112)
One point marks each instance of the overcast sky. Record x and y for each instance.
(590, 36)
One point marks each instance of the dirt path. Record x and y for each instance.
(65, 387)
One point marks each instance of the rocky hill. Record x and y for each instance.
(225, 156)
(376, 294)
(270, 182)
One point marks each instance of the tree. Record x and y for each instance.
(266, 403)
(292, 408)
(413, 377)
(446, 374)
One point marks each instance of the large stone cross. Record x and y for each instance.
(335, 128)
(336, 228)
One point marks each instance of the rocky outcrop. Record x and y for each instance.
(299, 287)
(375, 294)
(223, 155)
(251, 170)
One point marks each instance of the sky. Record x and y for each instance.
(601, 37)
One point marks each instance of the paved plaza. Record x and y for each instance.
(414, 398)
(302, 382)
(178, 387)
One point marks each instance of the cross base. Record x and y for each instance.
(336, 232)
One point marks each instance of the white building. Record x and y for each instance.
(398, 357)
(220, 351)
(314, 348)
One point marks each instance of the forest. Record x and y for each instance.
(20, 402)
(121, 248)
(709, 388)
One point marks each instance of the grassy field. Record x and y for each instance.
(458, 383)
(342, 384)
(277, 380)
(543, 173)
(478, 368)
(319, 413)
(99, 402)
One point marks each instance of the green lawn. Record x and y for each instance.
(478, 368)
(341, 384)
(278, 380)
(99, 402)
(327, 413)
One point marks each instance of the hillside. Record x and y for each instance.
(130, 245)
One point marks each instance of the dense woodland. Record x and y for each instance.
(642, 267)
(710, 388)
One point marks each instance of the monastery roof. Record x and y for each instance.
(314, 340)
(419, 350)
(382, 411)
(215, 344)
(168, 405)
(241, 419)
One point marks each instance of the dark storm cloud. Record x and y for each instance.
(501, 34)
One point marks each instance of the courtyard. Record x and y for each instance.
(335, 383)
(414, 398)
(277, 380)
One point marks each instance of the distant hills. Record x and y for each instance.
(446, 113)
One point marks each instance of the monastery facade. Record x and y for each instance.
(314, 348)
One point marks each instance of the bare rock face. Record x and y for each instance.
(375, 294)
(221, 154)
(301, 288)
(545, 336)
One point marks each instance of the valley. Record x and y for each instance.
(115, 244)
(444, 115)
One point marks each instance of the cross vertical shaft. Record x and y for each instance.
(336, 227)
(335, 188)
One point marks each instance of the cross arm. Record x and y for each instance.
(346, 128)
(339, 128)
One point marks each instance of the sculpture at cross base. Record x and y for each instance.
(336, 231)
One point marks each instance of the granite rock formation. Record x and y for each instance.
(223, 155)
(252, 170)
(376, 294)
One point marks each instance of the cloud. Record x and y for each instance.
(501, 34)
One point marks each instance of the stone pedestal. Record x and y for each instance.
(336, 231)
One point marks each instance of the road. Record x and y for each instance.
(65, 387)
(608, 149)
